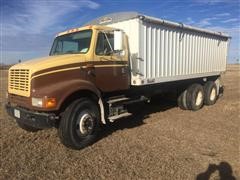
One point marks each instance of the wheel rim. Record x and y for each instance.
(86, 124)
(199, 98)
(213, 94)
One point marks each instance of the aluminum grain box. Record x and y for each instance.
(163, 51)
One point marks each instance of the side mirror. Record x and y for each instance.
(118, 40)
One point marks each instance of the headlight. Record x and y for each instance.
(38, 102)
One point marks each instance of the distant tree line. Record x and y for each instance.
(5, 66)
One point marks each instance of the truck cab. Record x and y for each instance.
(83, 62)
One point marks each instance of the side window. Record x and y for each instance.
(103, 47)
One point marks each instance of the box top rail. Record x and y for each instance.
(123, 16)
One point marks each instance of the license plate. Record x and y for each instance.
(16, 113)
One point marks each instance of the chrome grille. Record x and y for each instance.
(19, 80)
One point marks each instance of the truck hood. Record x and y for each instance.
(39, 64)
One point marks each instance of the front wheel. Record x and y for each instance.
(79, 125)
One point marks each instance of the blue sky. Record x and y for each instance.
(28, 27)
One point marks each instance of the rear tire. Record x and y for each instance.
(210, 93)
(79, 125)
(195, 97)
(26, 127)
(182, 100)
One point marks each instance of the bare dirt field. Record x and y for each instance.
(160, 141)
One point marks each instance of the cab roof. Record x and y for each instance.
(97, 27)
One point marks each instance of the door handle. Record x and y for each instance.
(90, 69)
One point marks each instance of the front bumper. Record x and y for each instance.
(38, 120)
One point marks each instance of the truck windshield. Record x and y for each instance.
(78, 42)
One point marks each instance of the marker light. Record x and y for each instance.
(50, 102)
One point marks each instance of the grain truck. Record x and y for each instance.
(93, 73)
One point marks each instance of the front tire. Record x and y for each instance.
(79, 125)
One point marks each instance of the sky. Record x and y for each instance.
(28, 27)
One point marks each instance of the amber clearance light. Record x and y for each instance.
(50, 102)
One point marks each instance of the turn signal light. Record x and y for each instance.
(50, 103)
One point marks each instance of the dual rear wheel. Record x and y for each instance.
(195, 96)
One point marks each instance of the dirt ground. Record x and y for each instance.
(159, 142)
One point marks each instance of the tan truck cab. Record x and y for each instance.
(82, 62)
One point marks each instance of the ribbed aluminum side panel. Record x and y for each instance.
(161, 53)
(171, 53)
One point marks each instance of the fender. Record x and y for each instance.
(63, 89)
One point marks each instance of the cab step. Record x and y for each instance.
(113, 118)
(121, 99)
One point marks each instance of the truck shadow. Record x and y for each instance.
(224, 169)
(140, 111)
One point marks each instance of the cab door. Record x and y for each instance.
(111, 69)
